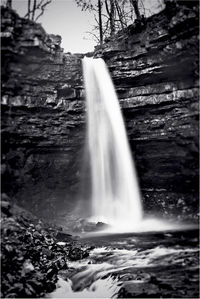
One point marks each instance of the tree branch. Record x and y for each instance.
(107, 9)
(43, 9)
(41, 5)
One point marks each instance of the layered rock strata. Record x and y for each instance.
(155, 70)
(42, 116)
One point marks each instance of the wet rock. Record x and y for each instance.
(101, 226)
(27, 267)
(63, 237)
(48, 239)
(132, 289)
(48, 253)
(5, 207)
(83, 225)
(77, 254)
(5, 197)
(3, 169)
(31, 256)
(61, 243)
(28, 257)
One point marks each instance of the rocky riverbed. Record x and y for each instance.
(43, 260)
(33, 252)
(135, 265)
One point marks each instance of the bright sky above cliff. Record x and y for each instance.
(63, 17)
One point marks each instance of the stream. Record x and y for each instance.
(145, 265)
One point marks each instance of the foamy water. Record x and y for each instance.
(105, 288)
(101, 275)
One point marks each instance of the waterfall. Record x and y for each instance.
(115, 194)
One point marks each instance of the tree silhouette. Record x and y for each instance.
(136, 9)
(9, 3)
(113, 15)
(36, 9)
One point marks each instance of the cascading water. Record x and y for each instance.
(116, 200)
(115, 192)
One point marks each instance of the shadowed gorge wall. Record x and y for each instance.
(154, 66)
(42, 116)
(155, 70)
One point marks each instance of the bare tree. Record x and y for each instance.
(88, 5)
(29, 9)
(34, 9)
(37, 6)
(100, 22)
(9, 3)
(42, 8)
(85, 4)
(136, 9)
(111, 13)
(112, 18)
(120, 14)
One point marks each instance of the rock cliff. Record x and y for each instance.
(155, 70)
(154, 66)
(42, 116)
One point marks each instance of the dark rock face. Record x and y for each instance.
(31, 256)
(42, 116)
(155, 70)
(156, 76)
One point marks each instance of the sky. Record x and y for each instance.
(65, 18)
